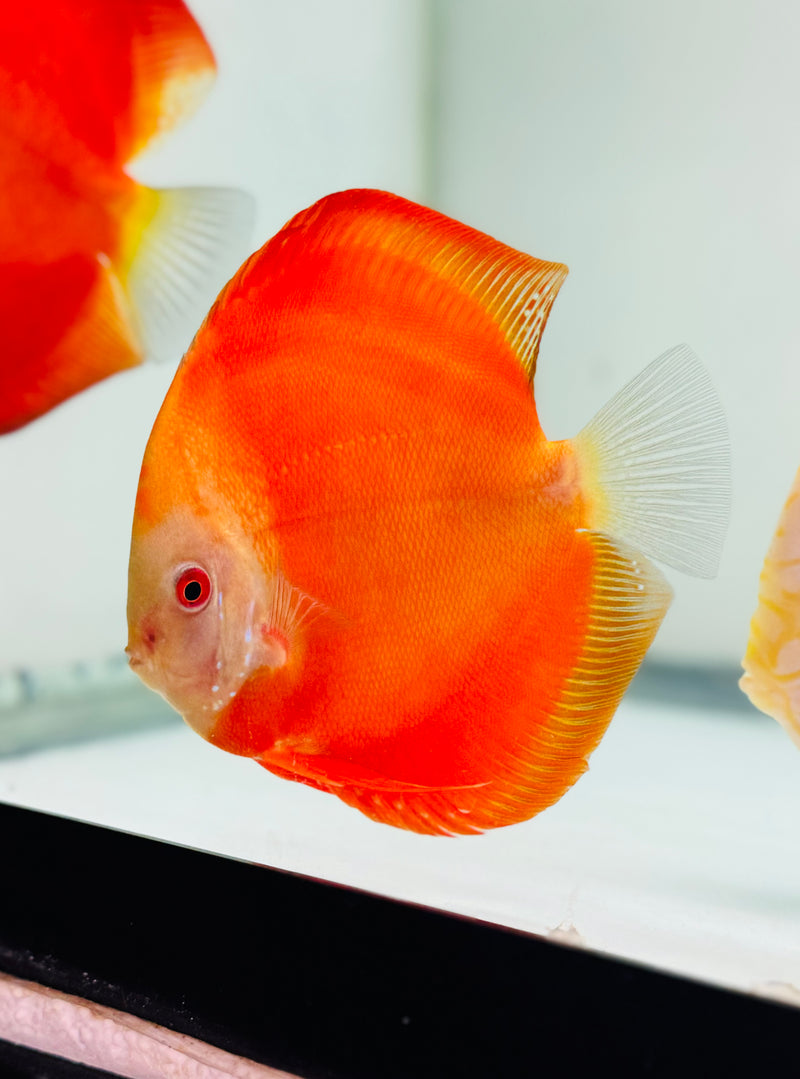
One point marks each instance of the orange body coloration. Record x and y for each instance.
(772, 660)
(410, 606)
(83, 87)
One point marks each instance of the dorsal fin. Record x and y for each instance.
(515, 290)
(109, 74)
(172, 69)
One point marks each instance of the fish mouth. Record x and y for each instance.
(143, 661)
(197, 695)
(134, 659)
(141, 646)
(142, 666)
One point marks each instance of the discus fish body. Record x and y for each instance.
(357, 559)
(772, 660)
(96, 270)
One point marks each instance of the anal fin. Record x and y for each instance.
(87, 336)
(629, 600)
(627, 604)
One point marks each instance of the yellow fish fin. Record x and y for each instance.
(772, 660)
(655, 465)
(178, 247)
(629, 599)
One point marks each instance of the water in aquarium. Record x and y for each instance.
(660, 167)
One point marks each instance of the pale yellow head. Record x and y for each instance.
(199, 616)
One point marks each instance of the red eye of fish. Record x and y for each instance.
(193, 588)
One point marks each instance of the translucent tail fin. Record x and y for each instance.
(193, 240)
(655, 465)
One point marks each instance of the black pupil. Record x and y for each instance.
(192, 591)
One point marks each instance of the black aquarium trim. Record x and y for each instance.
(330, 983)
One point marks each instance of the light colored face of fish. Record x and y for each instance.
(198, 608)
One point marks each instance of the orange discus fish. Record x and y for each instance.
(772, 660)
(97, 270)
(357, 559)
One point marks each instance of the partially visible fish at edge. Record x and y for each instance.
(357, 559)
(97, 271)
(772, 660)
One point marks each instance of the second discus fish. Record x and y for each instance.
(96, 270)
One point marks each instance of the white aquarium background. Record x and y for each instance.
(650, 147)
(653, 149)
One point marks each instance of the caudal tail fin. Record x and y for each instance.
(180, 247)
(655, 465)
